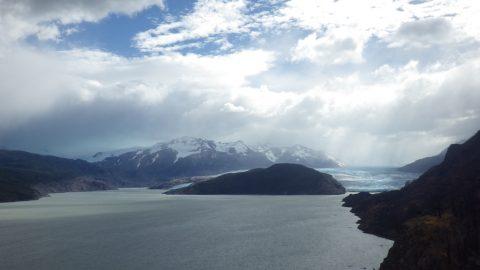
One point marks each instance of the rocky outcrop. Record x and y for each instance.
(435, 220)
(278, 179)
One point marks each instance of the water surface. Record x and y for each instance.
(143, 229)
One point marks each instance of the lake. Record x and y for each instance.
(144, 229)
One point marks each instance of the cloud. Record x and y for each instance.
(229, 107)
(328, 49)
(91, 100)
(341, 30)
(208, 18)
(424, 33)
(21, 18)
(94, 94)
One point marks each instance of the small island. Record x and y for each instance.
(278, 179)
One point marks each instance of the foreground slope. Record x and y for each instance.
(27, 176)
(435, 220)
(12, 192)
(278, 179)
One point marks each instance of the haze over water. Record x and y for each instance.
(143, 229)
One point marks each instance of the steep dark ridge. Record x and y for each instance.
(26, 176)
(278, 179)
(422, 165)
(435, 220)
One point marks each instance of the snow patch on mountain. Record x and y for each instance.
(99, 156)
(184, 146)
(237, 147)
(267, 151)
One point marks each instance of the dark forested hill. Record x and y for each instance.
(25, 176)
(278, 179)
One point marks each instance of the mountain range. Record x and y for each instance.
(25, 176)
(188, 156)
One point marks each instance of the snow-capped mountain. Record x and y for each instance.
(187, 156)
(183, 146)
(186, 146)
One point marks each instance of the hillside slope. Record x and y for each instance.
(435, 220)
(422, 165)
(26, 176)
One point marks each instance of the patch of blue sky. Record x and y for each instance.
(114, 33)
(179, 7)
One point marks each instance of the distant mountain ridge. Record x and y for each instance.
(423, 164)
(183, 146)
(188, 156)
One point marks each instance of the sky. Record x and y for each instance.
(369, 82)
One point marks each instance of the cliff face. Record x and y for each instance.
(435, 220)
(278, 179)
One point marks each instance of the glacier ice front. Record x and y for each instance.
(370, 178)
